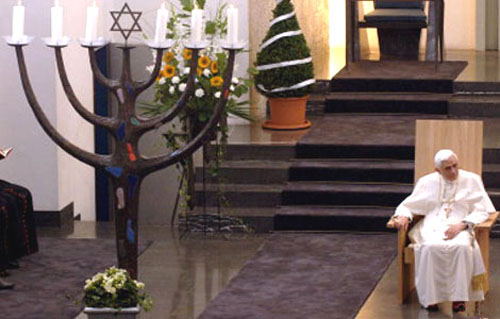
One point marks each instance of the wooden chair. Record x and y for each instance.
(466, 139)
(406, 257)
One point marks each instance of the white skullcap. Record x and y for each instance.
(441, 156)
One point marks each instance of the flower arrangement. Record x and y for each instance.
(115, 289)
(212, 62)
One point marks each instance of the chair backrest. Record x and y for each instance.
(387, 4)
(465, 138)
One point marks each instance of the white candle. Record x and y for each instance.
(56, 14)
(18, 21)
(161, 24)
(232, 25)
(196, 25)
(92, 19)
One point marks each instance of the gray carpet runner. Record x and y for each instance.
(297, 276)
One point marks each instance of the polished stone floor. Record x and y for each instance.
(184, 273)
(181, 273)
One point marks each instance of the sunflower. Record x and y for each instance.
(199, 71)
(169, 56)
(160, 76)
(168, 71)
(204, 61)
(214, 68)
(216, 81)
(187, 54)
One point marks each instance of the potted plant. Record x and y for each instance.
(114, 294)
(285, 70)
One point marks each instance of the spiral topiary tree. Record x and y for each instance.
(284, 60)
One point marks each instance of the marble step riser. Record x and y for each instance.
(395, 106)
(355, 151)
(476, 87)
(240, 199)
(245, 175)
(259, 152)
(490, 179)
(355, 175)
(384, 199)
(342, 198)
(371, 85)
(474, 109)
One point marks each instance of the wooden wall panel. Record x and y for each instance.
(465, 138)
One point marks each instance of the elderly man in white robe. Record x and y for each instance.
(448, 262)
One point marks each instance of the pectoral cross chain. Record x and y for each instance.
(447, 210)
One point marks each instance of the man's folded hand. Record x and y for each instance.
(453, 230)
(402, 222)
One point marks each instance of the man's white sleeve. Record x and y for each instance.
(416, 203)
(480, 204)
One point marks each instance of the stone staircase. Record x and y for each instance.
(253, 176)
(325, 185)
(342, 186)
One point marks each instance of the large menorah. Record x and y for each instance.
(124, 165)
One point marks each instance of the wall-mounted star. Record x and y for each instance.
(135, 15)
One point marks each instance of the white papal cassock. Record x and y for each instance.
(447, 270)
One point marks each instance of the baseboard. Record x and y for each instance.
(50, 218)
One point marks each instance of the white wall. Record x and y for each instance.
(76, 180)
(460, 24)
(55, 178)
(33, 163)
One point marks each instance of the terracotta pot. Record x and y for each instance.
(288, 114)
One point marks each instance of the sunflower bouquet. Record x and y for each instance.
(211, 65)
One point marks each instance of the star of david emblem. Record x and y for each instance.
(117, 15)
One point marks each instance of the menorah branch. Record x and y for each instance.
(108, 123)
(84, 156)
(142, 86)
(110, 84)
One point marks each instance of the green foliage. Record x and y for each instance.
(284, 49)
(115, 289)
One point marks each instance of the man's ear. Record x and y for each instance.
(437, 170)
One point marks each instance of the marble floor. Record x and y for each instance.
(184, 273)
(181, 273)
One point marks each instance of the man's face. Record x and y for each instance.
(449, 169)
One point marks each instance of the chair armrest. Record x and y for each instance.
(487, 224)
